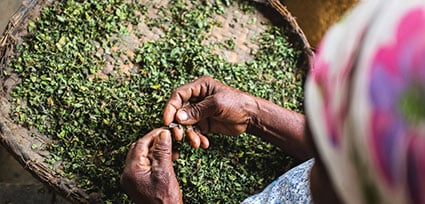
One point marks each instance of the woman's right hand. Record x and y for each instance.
(208, 106)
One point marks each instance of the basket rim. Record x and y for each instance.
(17, 144)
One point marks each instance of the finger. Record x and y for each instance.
(205, 143)
(142, 145)
(179, 97)
(178, 133)
(142, 162)
(132, 145)
(170, 110)
(193, 113)
(175, 155)
(193, 137)
(132, 160)
(162, 149)
(184, 94)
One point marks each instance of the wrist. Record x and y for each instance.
(259, 113)
(252, 106)
(281, 127)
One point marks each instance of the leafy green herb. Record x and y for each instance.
(93, 119)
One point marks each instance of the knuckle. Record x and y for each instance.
(195, 111)
(161, 151)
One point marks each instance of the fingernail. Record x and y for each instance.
(163, 136)
(182, 115)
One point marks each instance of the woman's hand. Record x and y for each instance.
(209, 106)
(149, 176)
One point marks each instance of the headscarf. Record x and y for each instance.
(365, 102)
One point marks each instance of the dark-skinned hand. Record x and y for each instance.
(148, 176)
(208, 106)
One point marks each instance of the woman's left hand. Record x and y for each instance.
(149, 176)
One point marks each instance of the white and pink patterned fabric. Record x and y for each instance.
(365, 102)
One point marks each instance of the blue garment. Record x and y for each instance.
(292, 187)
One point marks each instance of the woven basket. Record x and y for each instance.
(316, 16)
(18, 140)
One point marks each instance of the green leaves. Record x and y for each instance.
(93, 120)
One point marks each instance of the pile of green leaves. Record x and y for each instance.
(93, 120)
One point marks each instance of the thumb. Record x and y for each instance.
(161, 148)
(194, 113)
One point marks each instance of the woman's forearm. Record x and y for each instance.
(281, 127)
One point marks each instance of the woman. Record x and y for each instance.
(365, 123)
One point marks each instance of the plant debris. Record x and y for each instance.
(64, 94)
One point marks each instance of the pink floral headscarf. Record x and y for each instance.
(365, 101)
